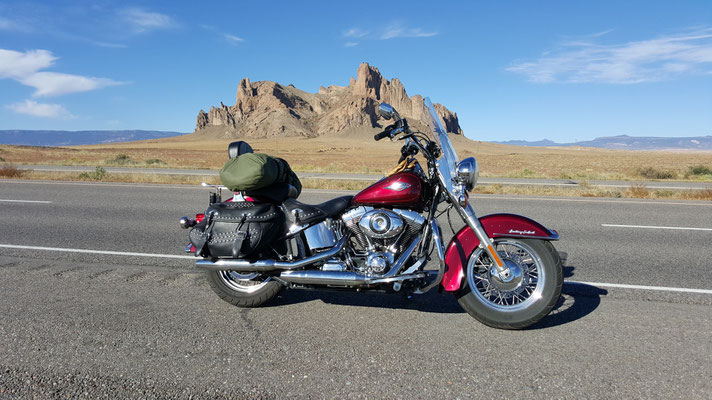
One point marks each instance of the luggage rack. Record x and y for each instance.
(217, 196)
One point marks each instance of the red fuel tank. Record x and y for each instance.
(401, 189)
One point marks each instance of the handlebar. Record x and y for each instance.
(385, 133)
(392, 130)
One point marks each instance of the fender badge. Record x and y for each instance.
(398, 186)
(518, 232)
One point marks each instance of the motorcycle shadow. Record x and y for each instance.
(431, 302)
(576, 301)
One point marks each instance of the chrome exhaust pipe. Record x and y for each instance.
(268, 265)
(341, 278)
(319, 277)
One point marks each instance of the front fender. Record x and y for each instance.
(496, 226)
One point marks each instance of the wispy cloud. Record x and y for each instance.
(355, 33)
(9, 25)
(228, 37)
(43, 110)
(108, 44)
(392, 31)
(233, 39)
(658, 59)
(400, 31)
(143, 21)
(25, 67)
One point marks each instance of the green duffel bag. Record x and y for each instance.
(254, 171)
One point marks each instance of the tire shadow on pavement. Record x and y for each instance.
(576, 301)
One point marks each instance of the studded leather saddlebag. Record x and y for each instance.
(236, 230)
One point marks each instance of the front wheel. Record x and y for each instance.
(522, 299)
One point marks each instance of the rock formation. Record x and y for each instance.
(264, 109)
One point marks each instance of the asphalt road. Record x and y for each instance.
(76, 324)
(658, 185)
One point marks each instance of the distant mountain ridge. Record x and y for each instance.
(75, 138)
(625, 142)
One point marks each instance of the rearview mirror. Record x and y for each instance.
(386, 111)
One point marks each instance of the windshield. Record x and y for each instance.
(449, 160)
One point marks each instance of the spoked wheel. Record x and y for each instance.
(249, 289)
(243, 289)
(524, 297)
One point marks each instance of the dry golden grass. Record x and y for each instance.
(635, 191)
(9, 171)
(360, 154)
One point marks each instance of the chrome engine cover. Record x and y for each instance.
(381, 224)
(408, 223)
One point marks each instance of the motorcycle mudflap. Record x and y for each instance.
(236, 229)
(496, 226)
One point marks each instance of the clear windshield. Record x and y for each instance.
(449, 160)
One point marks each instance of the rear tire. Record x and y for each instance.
(526, 298)
(243, 290)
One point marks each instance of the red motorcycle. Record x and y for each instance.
(502, 267)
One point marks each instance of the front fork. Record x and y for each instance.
(468, 214)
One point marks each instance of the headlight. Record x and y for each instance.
(467, 173)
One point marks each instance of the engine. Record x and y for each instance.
(379, 235)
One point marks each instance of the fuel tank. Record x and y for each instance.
(401, 189)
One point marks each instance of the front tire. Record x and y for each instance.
(525, 297)
(243, 290)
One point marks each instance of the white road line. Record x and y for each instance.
(113, 253)
(641, 287)
(121, 253)
(27, 201)
(679, 228)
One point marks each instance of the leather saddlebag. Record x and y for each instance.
(236, 230)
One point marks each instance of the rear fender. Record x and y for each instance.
(496, 226)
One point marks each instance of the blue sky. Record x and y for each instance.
(562, 70)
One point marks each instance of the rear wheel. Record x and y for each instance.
(252, 289)
(243, 289)
(522, 299)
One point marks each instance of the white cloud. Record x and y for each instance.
(43, 110)
(25, 68)
(15, 65)
(143, 21)
(233, 39)
(50, 84)
(658, 59)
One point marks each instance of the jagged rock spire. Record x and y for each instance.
(267, 108)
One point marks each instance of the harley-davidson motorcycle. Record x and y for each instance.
(502, 268)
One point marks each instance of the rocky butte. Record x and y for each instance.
(267, 109)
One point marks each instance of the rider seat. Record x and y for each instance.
(299, 213)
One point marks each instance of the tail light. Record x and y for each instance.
(186, 222)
